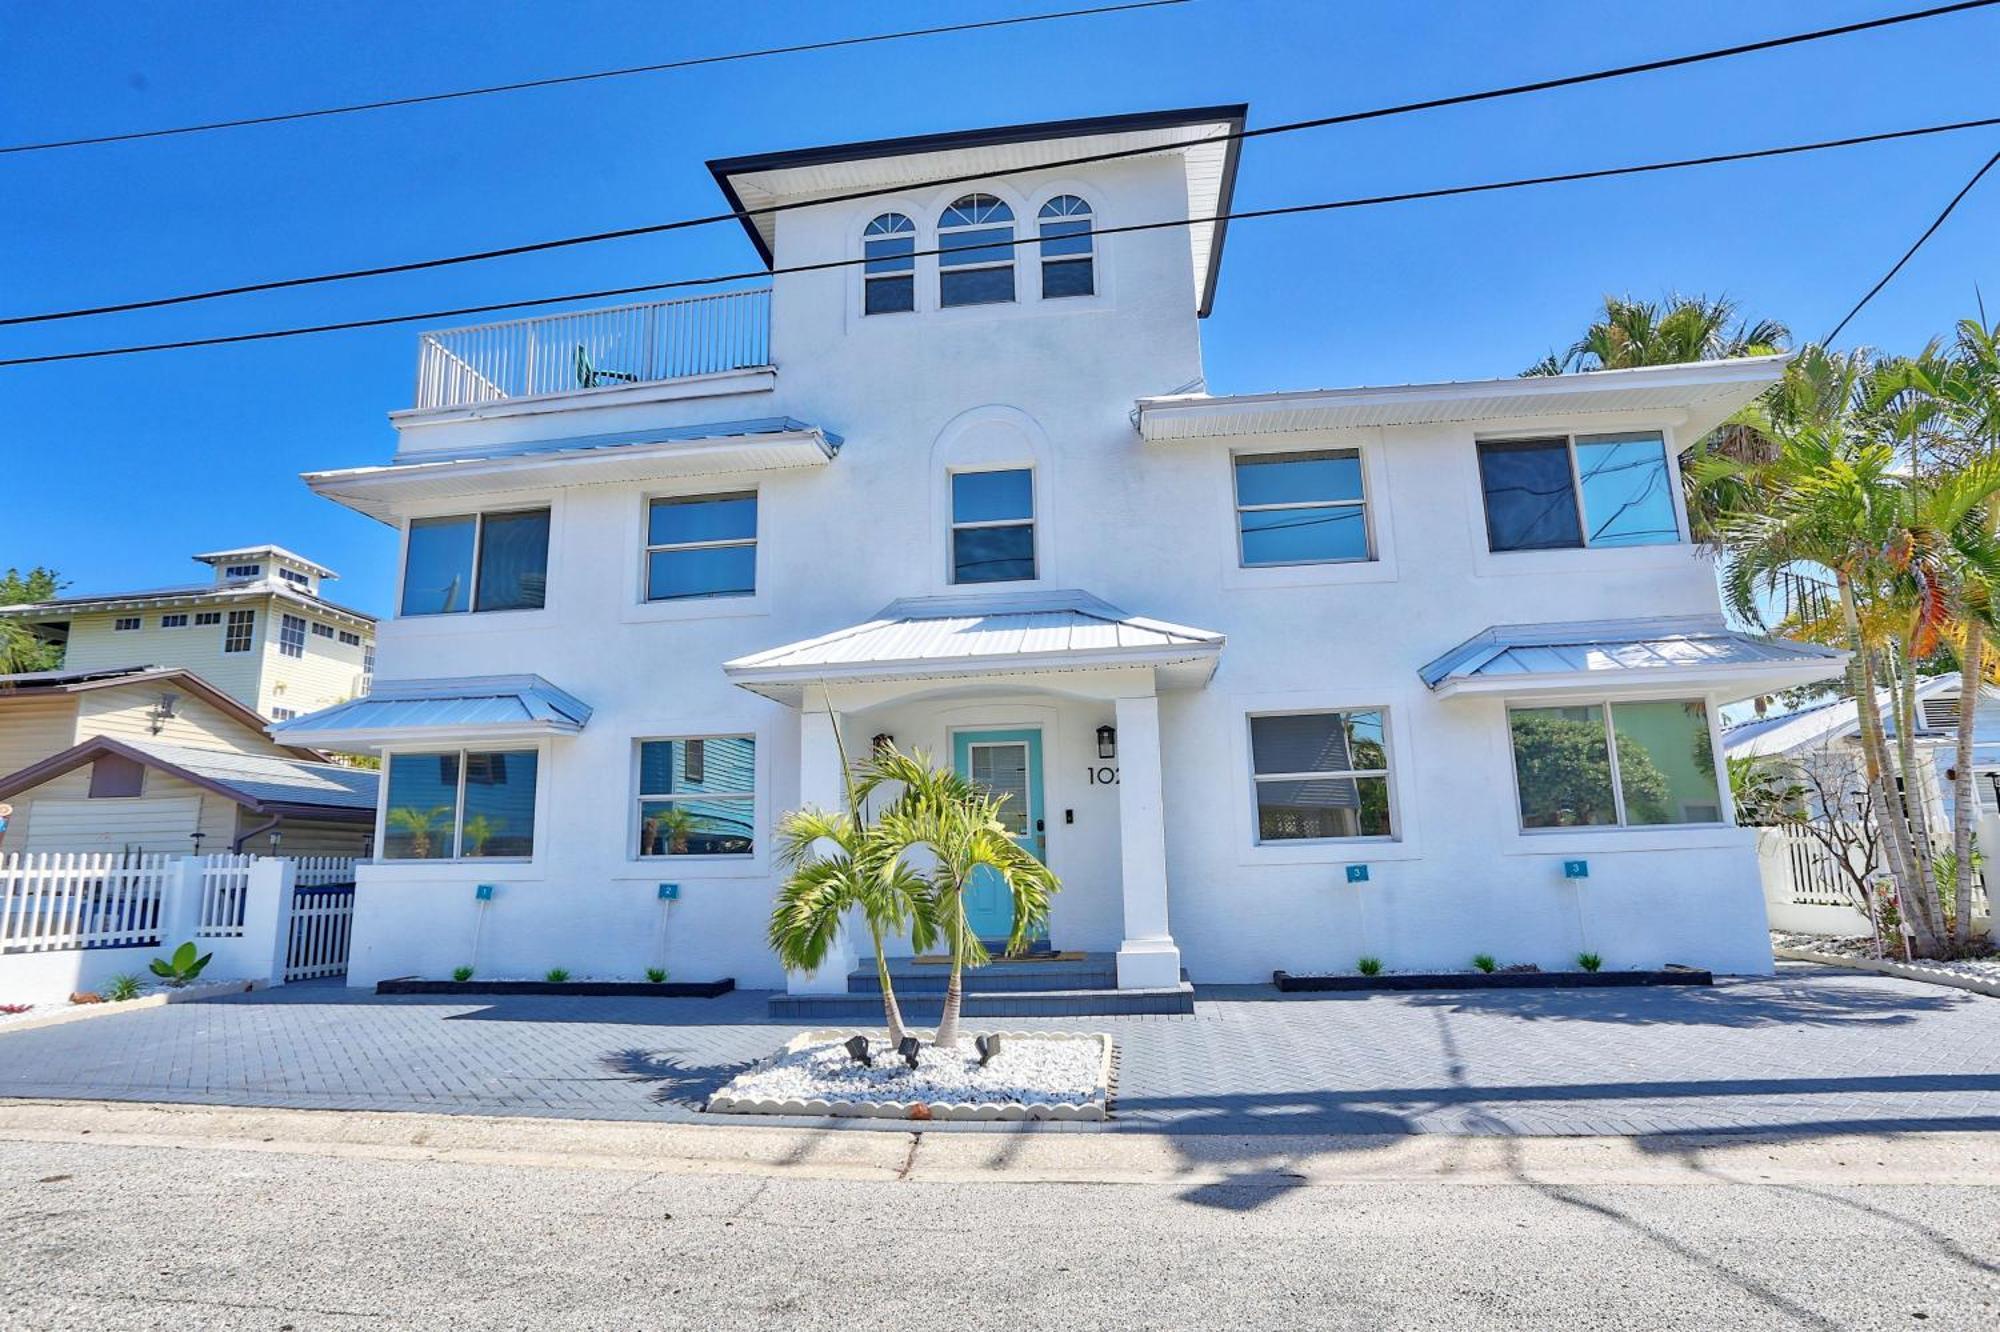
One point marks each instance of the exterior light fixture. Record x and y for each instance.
(196, 838)
(275, 835)
(908, 1047)
(883, 740)
(988, 1047)
(857, 1050)
(1107, 742)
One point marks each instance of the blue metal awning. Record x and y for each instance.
(466, 709)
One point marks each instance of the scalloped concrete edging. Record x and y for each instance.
(1902, 970)
(1094, 1110)
(157, 999)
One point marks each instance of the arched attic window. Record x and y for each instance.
(1067, 247)
(976, 252)
(889, 279)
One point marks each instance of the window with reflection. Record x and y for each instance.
(698, 796)
(1635, 764)
(1320, 775)
(700, 546)
(476, 562)
(1301, 508)
(993, 526)
(888, 270)
(461, 804)
(976, 252)
(1567, 492)
(1064, 229)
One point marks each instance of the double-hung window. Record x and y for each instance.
(240, 631)
(976, 252)
(701, 546)
(1301, 508)
(479, 562)
(1067, 265)
(461, 804)
(993, 526)
(1633, 764)
(698, 797)
(1572, 491)
(1320, 775)
(889, 267)
(291, 636)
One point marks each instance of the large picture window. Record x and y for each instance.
(461, 804)
(1639, 764)
(993, 526)
(697, 797)
(702, 546)
(1301, 508)
(484, 562)
(1587, 490)
(1320, 775)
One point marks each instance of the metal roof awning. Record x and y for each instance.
(1628, 658)
(973, 636)
(764, 444)
(471, 709)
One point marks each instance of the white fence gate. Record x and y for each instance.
(59, 900)
(322, 918)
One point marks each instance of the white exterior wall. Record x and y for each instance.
(1149, 528)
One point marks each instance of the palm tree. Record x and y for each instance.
(959, 826)
(1675, 331)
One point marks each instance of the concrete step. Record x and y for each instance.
(925, 1009)
(1092, 971)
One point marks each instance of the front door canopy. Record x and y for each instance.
(977, 636)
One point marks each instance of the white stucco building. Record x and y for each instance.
(1258, 669)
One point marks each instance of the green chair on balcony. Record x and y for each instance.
(589, 376)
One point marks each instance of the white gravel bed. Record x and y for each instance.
(48, 1012)
(1863, 946)
(1036, 1075)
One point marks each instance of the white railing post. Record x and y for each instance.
(267, 919)
(181, 890)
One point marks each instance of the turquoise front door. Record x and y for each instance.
(1005, 763)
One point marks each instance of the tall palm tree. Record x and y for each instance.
(958, 825)
(1675, 331)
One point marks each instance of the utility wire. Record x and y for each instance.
(1289, 127)
(1910, 253)
(557, 81)
(1249, 214)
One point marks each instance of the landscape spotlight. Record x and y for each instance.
(988, 1046)
(857, 1050)
(908, 1047)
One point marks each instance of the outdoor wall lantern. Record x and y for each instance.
(883, 741)
(857, 1050)
(988, 1047)
(908, 1047)
(1107, 742)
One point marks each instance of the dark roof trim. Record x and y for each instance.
(62, 682)
(55, 765)
(722, 168)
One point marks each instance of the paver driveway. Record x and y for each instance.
(1811, 1051)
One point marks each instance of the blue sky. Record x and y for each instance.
(115, 470)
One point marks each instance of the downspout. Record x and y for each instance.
(236, 847)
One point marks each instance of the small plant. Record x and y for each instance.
(1589, 961)
(1369, 966)
(1486, 963)
(182, 967)
(123, 986)
(461, 973)
(657, 975)
(556, 975)
(9, 1010)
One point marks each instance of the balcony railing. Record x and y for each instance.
(591, 349)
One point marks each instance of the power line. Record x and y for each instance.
(1241, 215)
(1910, 253)
(1289, 127)
(556, 81)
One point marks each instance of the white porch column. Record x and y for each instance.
(1148, 959)
(822, 783)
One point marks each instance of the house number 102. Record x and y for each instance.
(1103, 776)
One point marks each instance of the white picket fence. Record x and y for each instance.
(1806, 889)
(225, 889)
(52, 901)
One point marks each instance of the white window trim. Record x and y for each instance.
(286, 648)
(916, 238)
(1043, 260)
(758, 864)
(1012, 262)
(259, 625)
(754, 798)
(183, 617)
(1257, 778)
(125, 624)
(470, 621)
(1397, 738)
(1240, 456)
(540, 832)
(1727, 822)
(648, 549)
(1380, 567)
(1033, 523)
(636, 609)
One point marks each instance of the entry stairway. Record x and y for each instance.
(1055, 985)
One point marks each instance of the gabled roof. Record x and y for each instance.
(1837, 719)
(264, 784)
(1703, 394)
(980, 634)
(39, 684)
(1616, 656)
(760, 444)
(1203, 136)
(466, 708)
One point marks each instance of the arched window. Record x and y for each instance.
(889, 279)
(1066, 247)
(976, 252)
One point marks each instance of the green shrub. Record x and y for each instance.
(1486, 963)
(461, 973)
(1369, 966)
(182, 967)
(1589, 961)
(123, 986)
(657, 975)
(556, 975)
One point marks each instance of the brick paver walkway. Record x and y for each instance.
(1811, 1051)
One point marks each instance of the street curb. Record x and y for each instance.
(157, 999)
(1902, 970)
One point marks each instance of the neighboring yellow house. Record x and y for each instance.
(259, 631)
(160, 760)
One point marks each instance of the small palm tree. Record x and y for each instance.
(417, 825)
(1675, 331)
(959, 826)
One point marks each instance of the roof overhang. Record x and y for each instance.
(41, 684)
(1204, 137)
(59, 612)
(383, 492)
(463, 710)
(278, 553)
(1695, 398)
(1627, 659)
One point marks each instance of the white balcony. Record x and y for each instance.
(628, 345)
